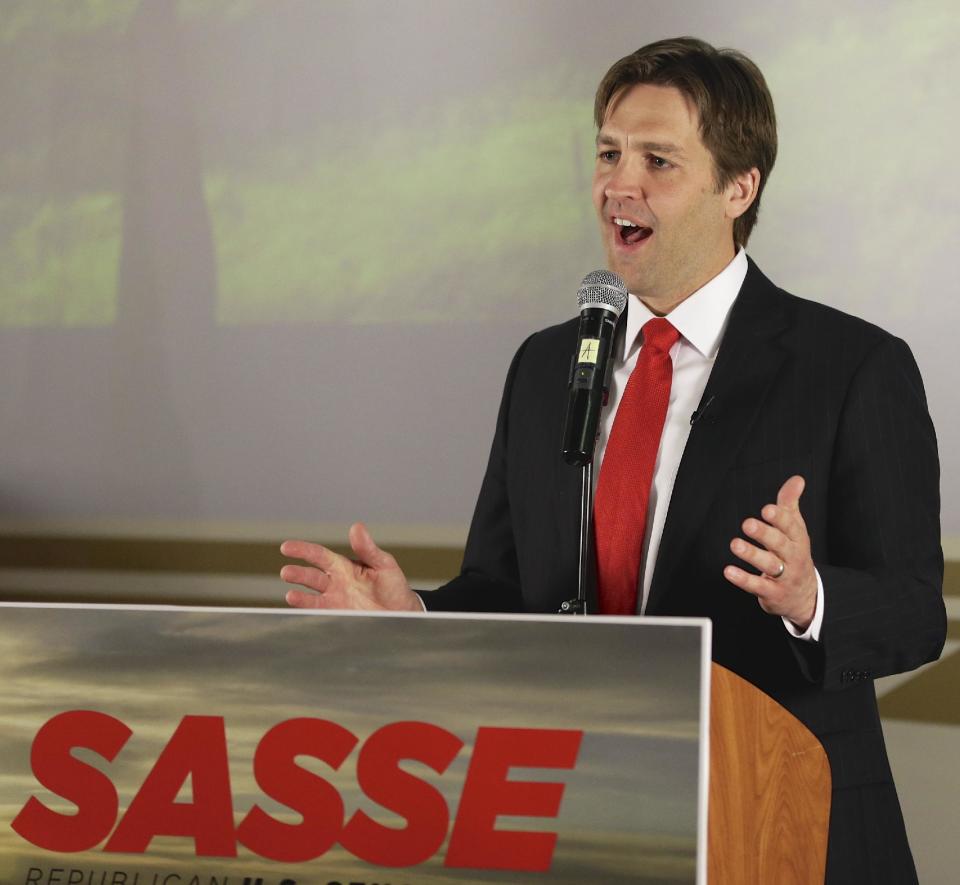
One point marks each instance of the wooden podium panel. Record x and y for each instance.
(769, 790)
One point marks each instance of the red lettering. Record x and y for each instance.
(420, 804)
(280, 778)
(198, 750)
(475, 843)
(89, 789)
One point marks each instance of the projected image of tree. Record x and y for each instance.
(404, 224)
(61, 161)
(249, 162)
(353, 176)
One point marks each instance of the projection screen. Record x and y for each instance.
(263, 263)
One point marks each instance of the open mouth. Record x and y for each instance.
(630, 233)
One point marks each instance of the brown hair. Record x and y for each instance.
(737, 120)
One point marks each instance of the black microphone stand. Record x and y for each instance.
(578, 606)
(583, 455)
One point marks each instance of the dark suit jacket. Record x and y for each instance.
(797, 388)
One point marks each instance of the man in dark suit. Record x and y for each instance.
(794, 496)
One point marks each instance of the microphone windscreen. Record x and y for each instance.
(602, 288)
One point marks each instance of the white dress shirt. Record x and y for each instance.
(701, 320)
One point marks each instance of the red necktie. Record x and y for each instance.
(623, 490)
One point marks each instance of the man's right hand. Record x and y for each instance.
(372, 582)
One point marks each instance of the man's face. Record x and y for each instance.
(665, 228)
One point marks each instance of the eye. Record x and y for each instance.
(608, 156)
(659, 162)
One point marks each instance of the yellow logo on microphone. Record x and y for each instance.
(589, 349)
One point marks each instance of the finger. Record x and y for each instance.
(311, 578)
(362, 543)
(316, 554)
(789, 495)
(754, 584)
(785, 514)
(787, 520)
(766, 591)
(763, 560)
(767, 535)
(304, 599)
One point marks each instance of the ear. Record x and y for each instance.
(741, 192)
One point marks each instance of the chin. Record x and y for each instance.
(635, 280)
(635, 273)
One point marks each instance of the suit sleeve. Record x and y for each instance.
(882, 569)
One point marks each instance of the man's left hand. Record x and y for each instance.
(787, 585)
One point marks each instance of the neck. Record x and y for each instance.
(661, 304)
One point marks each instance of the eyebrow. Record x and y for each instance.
(656, 147)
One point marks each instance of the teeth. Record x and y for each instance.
(623, 222)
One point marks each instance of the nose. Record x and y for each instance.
(625, 181)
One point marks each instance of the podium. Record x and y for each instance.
(277, 747)
(769, 790)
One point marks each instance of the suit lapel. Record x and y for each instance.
(747, 362)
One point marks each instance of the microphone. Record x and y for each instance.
(602, 296)
(699, 412)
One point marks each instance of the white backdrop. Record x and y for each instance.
(264, 264)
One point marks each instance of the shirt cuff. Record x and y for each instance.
(812, 633)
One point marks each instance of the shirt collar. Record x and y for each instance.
(702, 317)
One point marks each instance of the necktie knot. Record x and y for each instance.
(659, 334)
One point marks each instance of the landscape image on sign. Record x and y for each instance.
(178, 701)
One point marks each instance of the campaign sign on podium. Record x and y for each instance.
(188, 746)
